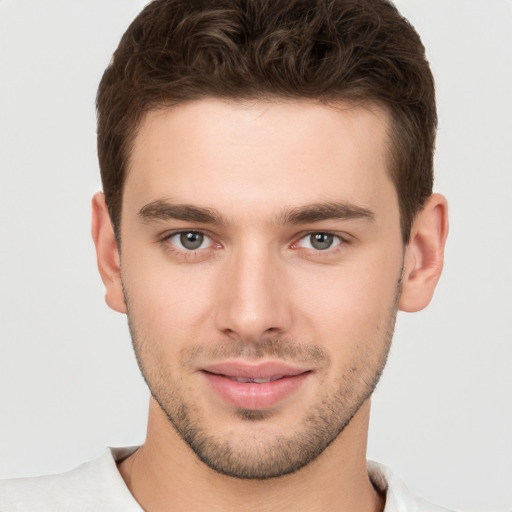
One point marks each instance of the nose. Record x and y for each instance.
(254, 301)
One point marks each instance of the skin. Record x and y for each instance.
(257, 289)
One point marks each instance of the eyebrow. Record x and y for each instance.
(163, 210)
(325, 211)
(316, 212)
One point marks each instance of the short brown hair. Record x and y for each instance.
(355, 50)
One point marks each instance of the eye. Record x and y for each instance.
(190, 240)
(319, 241)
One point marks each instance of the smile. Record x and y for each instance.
(255, 387)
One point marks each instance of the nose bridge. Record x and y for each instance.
(253, 301)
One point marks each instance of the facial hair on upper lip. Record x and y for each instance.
(310, 356)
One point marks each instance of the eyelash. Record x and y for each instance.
(165, 241)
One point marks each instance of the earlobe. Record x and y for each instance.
(424, 255)
(107, 253)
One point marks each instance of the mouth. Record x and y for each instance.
(255, 386)
(254, 380)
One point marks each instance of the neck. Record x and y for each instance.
(164, 474)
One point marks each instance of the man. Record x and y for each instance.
(267, 209)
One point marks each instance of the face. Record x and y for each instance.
(261, 260)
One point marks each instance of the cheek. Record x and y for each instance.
(168, 301)
(352, 305)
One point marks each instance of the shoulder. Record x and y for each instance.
(398, 497)
(92, 486)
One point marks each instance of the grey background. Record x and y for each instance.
(69, 386)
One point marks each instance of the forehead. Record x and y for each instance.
(261, 155)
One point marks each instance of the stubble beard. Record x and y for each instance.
(283, 454)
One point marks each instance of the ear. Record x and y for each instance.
(424, 255)
(107, 253)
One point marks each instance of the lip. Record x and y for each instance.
(280, 380)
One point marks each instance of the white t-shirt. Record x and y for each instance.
(97, 486)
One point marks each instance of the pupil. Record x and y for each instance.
(191, 240)
(321, 241)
